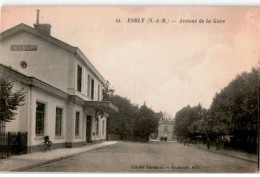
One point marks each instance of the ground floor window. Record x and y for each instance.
(40, 114)
(58, 126)
(77, 124)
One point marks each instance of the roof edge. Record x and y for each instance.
(68, 47)
(91, 66)
(32, 81)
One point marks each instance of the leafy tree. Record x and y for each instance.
(235, 109)
(122, 122)
(107, 91)
(146, 123)
(198, 126)
(131, 120)
(9, 101)
(188, 121)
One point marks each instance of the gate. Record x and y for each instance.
(3, 141)
(12, 142)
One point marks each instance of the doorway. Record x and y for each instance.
(88, 128)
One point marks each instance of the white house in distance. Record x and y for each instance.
(63, 89)
(166, 129)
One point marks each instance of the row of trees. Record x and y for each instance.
(132, 122)
(234, 111)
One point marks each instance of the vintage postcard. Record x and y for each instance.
(169, 89)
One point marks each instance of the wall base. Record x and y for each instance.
(38, 148)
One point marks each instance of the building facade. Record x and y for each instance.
(166, 129)
(63, 89)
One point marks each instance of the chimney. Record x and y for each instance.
(44, 28)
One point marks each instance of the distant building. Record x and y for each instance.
(166, 129)
(63, 89)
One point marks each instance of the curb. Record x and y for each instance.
(251, 160)
(21, 169)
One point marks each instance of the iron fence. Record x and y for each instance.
(12, 142)
(117, 137)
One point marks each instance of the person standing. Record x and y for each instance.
(208, 143)
(218, 144)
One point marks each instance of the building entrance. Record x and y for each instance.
(88, 128)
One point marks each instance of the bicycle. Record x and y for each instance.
(47, 143)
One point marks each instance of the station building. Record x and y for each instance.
(63, 90)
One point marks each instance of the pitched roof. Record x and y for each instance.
(75, 50)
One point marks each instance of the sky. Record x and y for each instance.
(166, 65)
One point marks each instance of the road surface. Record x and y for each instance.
(149, 157)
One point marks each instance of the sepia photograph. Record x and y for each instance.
(129, 89)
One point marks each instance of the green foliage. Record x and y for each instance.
(122, 122)
(145, 122)
(9, 101)
(188, 121)
(131, 120)
(235, 109)
(107, 91)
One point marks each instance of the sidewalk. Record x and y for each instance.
(27, 161)
(232, 153)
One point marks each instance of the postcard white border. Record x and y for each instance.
(131, 2)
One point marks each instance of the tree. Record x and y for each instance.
(9, 101)
(199, 126)
(131, 120)
(146, 122)
(122, 123)
(107, 91)
(188, 121)
(235, 109)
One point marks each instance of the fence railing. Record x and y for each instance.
(116, 137)
(13, 143)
